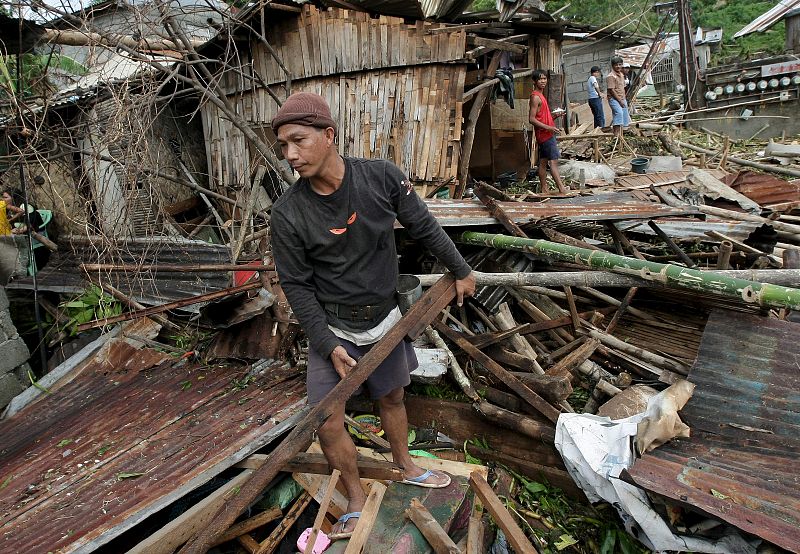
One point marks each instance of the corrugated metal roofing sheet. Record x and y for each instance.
(768, 18)
(606, 207)
(740, 464)
(62, 273)
(762, 188)
(111, 447)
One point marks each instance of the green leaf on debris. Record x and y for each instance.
(64, 442)
(103, 449)
(121, 476)
(185, 385)
(565, 541)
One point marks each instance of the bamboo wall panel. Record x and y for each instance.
(410, 115)
(320, 43)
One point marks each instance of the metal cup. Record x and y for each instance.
(409, 290)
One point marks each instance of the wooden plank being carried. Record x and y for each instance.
(419, 316)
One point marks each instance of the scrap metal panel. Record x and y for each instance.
(111, 447)
(62, 274)
(741, 462)
(606, 207)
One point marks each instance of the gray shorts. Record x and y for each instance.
(394, 372)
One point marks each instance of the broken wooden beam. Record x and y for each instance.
(317, 464)
(424, 311)
(486, 339)
(250, 524)
(501, 516)
(749, 292)
(671, 243)
(323, 510)
(369, 514)
(571, 361)
(437, 537)
(268, 545)
(538, 403)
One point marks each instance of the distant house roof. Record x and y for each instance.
(768, 18)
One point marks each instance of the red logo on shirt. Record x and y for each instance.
(340, 230)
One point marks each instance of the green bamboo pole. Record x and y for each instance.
(749, 292)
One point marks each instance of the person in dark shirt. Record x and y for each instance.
(16, 207)
(333, 243)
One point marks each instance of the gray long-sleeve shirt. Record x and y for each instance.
(340, 248)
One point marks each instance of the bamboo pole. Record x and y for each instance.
(785, 277)
(740, 161)
(749, 292)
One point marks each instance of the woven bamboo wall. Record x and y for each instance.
(394, 89)
(334, 41)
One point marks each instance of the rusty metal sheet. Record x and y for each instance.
(764, 189)
(605, 207)
(112, 446)
(646, 179)
(745, 421)
(62, 273)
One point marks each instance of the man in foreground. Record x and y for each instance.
(545, 131)
(333, 242)
(616, 97)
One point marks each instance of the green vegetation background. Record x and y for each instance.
(730, 15)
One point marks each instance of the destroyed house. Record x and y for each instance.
(413, 91)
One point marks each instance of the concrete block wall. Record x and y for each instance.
(578, 61)
(14, 356)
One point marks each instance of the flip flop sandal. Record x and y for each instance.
(419, 481)
(343, 520)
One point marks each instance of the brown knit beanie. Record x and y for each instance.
(304, 108)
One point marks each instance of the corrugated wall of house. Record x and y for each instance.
(394, 89)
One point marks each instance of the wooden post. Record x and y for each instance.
(468, 137)
(724, 256)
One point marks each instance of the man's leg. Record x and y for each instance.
(543, 174)
(395, 424)
(340, 452)
(556, 175)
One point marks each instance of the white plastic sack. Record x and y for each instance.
(595, 451)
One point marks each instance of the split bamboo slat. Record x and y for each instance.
(394, 90)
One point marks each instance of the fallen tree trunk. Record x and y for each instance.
(749, 292)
